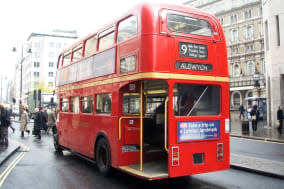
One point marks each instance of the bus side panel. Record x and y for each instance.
(64, 129)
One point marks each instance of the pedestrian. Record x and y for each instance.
(45, 117)
(280, 118)
(10, 114)
(51, 119)
(24, 122)
(242, 110)
(4, 124)
(38, 123)
(254, 117)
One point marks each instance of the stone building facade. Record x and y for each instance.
(243, 28)
(273, 19)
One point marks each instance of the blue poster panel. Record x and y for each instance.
(198, 130)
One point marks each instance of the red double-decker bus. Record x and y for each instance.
(148, 94)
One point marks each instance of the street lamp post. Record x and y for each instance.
(21, 72)
(256, 78)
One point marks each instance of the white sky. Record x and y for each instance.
(19, 18)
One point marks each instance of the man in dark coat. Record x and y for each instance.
(242, 109)
(280, 118)
(38, 123)
(4, 124)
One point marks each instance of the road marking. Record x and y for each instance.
(11, 166)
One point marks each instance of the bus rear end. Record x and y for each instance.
(199, 125)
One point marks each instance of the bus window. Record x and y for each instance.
(77, 53)
(67, 59)
(106, 41)
(127, 29)
(188, 25)
(75, 105)
(64, 104)
(196, 100)
(87, 104)
(131, 103)
(103, 104)
(91, 46)
(128, 64)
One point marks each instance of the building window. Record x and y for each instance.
(50, 64)
(103, 104)
(277, 30)
(36, 64)
(37, 44)
(36, 84)
(221, 20)
(36, 54)
(51, 44)
(50, 74)
(250, 68)
(249, 48)
(237, 70)
(248, 14)
(249, 32)
(236, 99)
(51, 54)
(50, 84)
(235, 35)
(36, 74)
(234, 19)
(58, 45)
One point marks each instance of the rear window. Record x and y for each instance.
(188, 25)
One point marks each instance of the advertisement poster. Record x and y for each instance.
(198, 130)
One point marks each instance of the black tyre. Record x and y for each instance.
(103, 156)
(57, 147)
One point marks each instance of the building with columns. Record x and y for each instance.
(242, 25)
(273, 19)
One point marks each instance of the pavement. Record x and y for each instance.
(247, 163)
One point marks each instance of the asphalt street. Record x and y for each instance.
(41, 167)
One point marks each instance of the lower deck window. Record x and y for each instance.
(87, 104)
(103, 104)
(196, 100)
(64, 104)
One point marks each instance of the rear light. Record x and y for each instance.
(220, 150)
(227, 125)
(175, 156)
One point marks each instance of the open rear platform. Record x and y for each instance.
(151, 170)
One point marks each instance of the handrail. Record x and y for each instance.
(119, 124)
(141, 127)
(166, 124)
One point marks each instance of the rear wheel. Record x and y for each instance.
(103, 156)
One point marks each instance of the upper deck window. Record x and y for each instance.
(77, 53)
(106, 39)
(67, 58)
(188, 25)
(127, 29)
(90, 46)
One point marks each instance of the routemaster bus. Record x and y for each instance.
(148, 94)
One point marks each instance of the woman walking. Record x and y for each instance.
(24, 122)
(254, 117)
